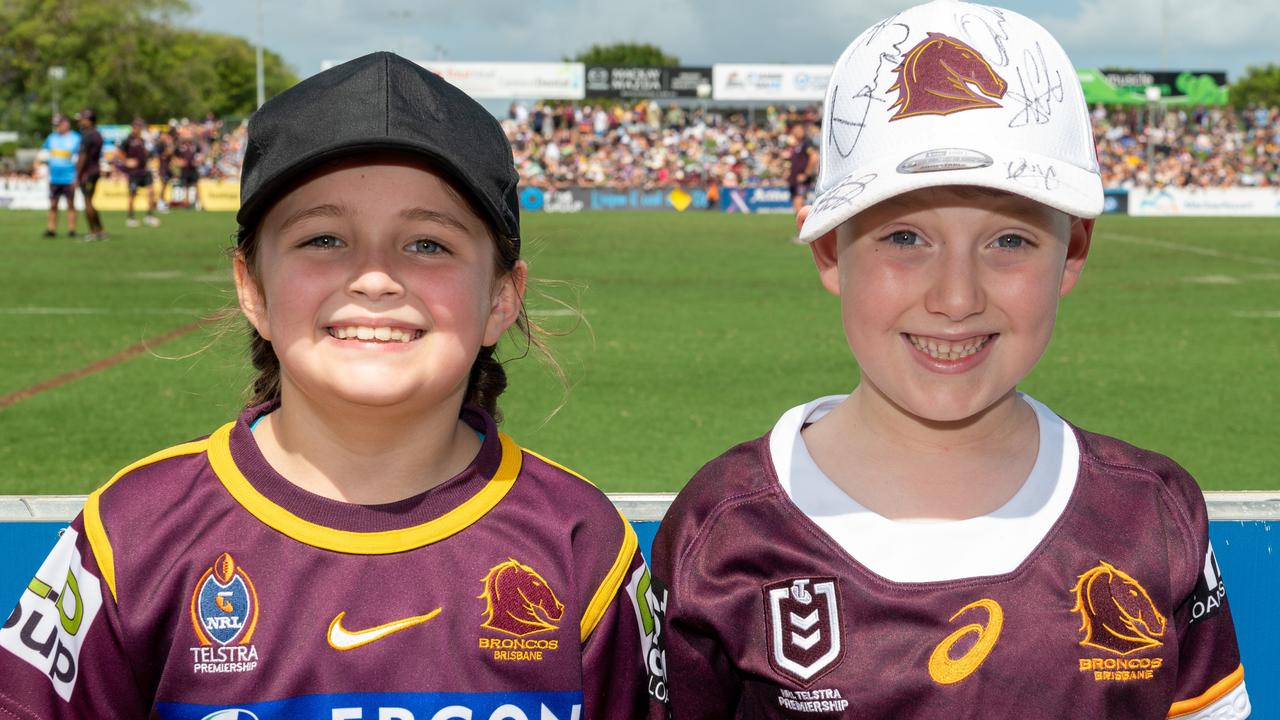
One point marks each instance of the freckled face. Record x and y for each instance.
(949, 297)
(376, 286)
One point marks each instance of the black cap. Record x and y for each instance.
(380, 102)
(87, 114)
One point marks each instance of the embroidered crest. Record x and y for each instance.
(224, 606)
(804, 627)
(938, 77)
(518, 600)
(1116, 613)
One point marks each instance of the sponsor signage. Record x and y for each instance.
(751, 199)
(583, 199)
(1219, 202)
(648, 82)
(1115, 201)
(505, 80)
(770, 83)
(1143, 79)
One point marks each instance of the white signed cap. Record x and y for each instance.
(954, 93)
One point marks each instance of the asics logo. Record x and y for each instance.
(341, 638)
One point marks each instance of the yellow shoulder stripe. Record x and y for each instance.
(93, 527)
(361, 543)
(1217, 690)
(608, 589)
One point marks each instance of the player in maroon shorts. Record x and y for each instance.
(363, 541)
(936, 544)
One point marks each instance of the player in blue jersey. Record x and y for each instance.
(59, 153)
(934, 543)
(363, 541)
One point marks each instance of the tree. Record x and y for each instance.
(1260, 85)
(626, 54)
(124, 58)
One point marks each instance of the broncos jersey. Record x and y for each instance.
(1093, 593)
(199, 584)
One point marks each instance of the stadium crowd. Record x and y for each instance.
(1202, 147)
(648, 145)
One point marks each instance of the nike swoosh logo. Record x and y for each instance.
(342, 639)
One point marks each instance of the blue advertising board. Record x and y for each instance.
(756, 199)
(581, 199)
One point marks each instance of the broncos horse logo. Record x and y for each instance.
(935, 78)
(518, 601)
(1116, 613)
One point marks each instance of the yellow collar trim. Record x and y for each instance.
(361, 543)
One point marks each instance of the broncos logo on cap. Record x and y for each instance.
(518, 600)
(1116, 613)
(937, 77)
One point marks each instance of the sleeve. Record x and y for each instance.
(61, 649)
(1210, 681)
(697, 679)
(615, 640)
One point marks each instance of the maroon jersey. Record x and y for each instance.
(1093, 593)
(199, 583)
(90, 155)
(134, 148)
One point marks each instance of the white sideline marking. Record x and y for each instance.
(1254, 259)
(555, 312)
(100, 311)
(1214, 280)
(1274, 314)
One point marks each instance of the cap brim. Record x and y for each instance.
(1073, 190)
(271, 189)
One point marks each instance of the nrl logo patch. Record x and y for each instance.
(804, 627)
(224, 606)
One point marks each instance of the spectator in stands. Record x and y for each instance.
(89, 169)
(59, 156)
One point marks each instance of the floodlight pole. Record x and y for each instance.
(262, 90)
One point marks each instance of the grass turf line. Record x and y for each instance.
(703, 329)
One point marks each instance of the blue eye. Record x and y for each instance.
(1010, 242)
(324, 241)
(905, 238)
(426, 247)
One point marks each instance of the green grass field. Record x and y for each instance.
(702, 330)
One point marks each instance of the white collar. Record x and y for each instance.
(906, 551)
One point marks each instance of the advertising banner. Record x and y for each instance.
(1115, 201)
(1168, 79)
(1219, 202)
(587, 199)
(648, 82)
(112, 193)
(506, 80)
(24, 194)
(756, 199)
(770, 83)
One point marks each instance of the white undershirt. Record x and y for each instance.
(930, 551)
